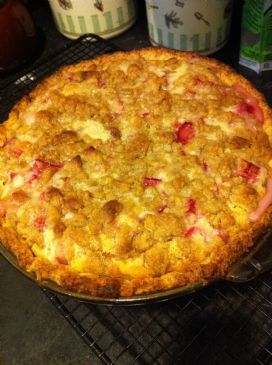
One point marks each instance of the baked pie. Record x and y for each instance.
(136, 172)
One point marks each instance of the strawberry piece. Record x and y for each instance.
(250, 106)
(249, 171)
(16, 152)
(151, 181)
(259, 113)
(191, 204)
(192, 231)
(224, 235)
(101, 84)
(198, 81)
(145, 114)
(186, 132)
(12, 175)
(40, 223)
(40, 165)
(161, 208)
(46, 164)
(205, 167)
(42, 196)
(7, 142)
(37, 171)
(246, 109)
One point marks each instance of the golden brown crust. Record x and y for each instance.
(135, 173)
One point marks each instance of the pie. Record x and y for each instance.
(136, 172)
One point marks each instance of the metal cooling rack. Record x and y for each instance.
(222, 324)
(84, 48)
(226, 323)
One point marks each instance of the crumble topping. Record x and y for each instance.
(151, 168)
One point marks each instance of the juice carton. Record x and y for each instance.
(256, 38)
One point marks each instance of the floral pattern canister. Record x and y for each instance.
(189, 25)
(105, 18)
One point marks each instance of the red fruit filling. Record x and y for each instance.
(16, 152)
(192, 231)
(7, 142)
(101, 84)
(151, 181)
(249, 171)
(40, 223)
(12, 175)
(42, 196)
(205, 167)
(191, 204)
(250, 106)
(40, 165)
(185, 133)
(224, 235)
(161, 208)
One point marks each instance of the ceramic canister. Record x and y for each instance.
(190, 25)
(105, 18)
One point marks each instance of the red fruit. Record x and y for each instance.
(151, 181)
(205, 167)
(7, 142)
(40, 223)
(186, 132)
(12, 175)
(45, 164)
(224, 235)
(191, 204)
(101, 84)
(259, 113)
(16, 152)
(191, 231)
(249, 171)
(42, 196)
(198, 81)
(250, 106)
(161, 208)
(246, 109)
(40, 165)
